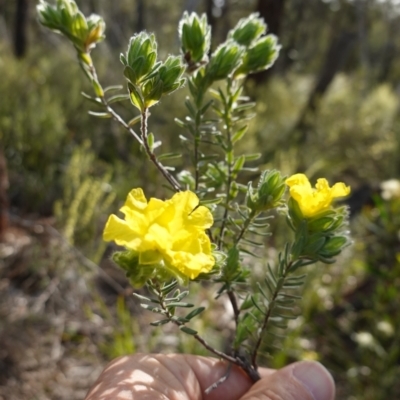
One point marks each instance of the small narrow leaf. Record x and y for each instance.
(252, 157)
(190, 107)
(195, 312)
(187, 330)
(113, 88)
(169, 288)
(160, 322)
(117, 98)
(180, 123)
(94, 100)
(100, 114)
(169, 156)
(150, 141)
(180, 304)
(134, 120)
(154, 309)
(239, 135)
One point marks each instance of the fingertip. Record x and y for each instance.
(210, 370)
(316, 378)
(304, 380)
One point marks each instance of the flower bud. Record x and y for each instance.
(137, 274)
(225, 59)
(248, 29)
(140, 59)
(170, 74)
(334, 245)
(65, 18)
(96, 28)
(269, 192)
(195, 36)
(259, 56)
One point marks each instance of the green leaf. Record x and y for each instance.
(180, 296)
(195, 312)
(134, 120)
(94, 100)
(169, 156)
(247, 303)
(150, 141)
(244, 107)
(154, 309)
(187, 330)
(180, 123)
(257, 306)
(160, 322)
(239, 164)
(252, 157)
(113, 88)
(190, 107)
(205, 108)
(180, 304)
(210, 202)
(169, 287)
(144, 298)
(100, 114)
(117, 98)
(239, 135)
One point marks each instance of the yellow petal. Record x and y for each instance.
(298, 179)
(169, 233)
(136, 200)
(120, 231)
(312, 201)
(186, 201)
(201, 217)
(340, 190)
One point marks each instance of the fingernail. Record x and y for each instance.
(316, 379)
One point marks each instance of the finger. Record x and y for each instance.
(304, 380)
(209, 370)
(174, 376)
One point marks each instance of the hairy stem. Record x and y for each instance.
(90, 71)
(172, 181)
(268, 315)
(229, 158)
(236, 310)
(246, 224)
(242, 363)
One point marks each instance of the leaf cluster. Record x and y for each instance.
(167, 299)
(66, 18)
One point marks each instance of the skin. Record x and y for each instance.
(186, 377)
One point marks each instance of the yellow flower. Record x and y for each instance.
(312, 201)
(168, 233)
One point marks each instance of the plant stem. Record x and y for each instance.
(196, 158)
(246, 224)
(90, 70)
(268, 315)
(236, 310)
(242, 363)
(172, 181)
(229, 158)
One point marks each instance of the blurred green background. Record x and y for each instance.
(329, 107)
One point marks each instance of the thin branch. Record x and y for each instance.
(171, 180)
(242, 363)
(229, 160)
(246, 224)
(236, 310)
(143, 141)
(267, 317)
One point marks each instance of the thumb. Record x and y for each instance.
(305, 380)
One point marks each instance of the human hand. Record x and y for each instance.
(186, 377)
